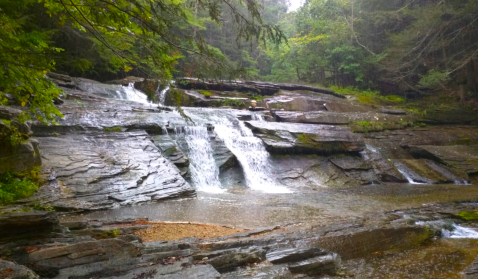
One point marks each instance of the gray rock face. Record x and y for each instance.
(326, 264)
(337, 118)
(170, 150)
(311, 172)
(100, 170)
(311, 102)
(263, 88)
(86, 111)
(288, 138)
(293, 255)
(9, 270)
(20, 158)
(462, 157)
(225, 260)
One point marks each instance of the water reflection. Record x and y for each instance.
(256, 209)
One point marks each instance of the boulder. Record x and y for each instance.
(285, 138)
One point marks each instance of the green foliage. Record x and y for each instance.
(109, 234)
(229, 102)
(305, 138)
(112, 129)
(469, 215)
(14, 186)
(205, 93)
(42, 207)
(377, 126)
(97, 37)
(10, 137)
(434, 78)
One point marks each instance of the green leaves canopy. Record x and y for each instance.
(147, 35)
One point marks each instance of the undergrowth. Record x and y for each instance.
(370, 97)
(14, 186)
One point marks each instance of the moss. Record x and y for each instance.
(109, 234)
(233, 103)
(10, 137)
(468, 215)
(205, 93)
(14, 186)
(305, 138)
(378, 126)
(112, 129)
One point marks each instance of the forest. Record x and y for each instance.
(399, 47)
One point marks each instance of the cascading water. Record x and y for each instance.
(204, 171)
(459, 232)
(252, 155)
(162, 95)
(113, 91)
(408, 173)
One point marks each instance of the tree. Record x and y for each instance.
(147, 35)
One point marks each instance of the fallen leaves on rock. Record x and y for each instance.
(173, 231)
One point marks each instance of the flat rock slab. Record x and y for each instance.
(326, 264)
(85, 111)
(310, 102)
(288, 138)
(99, 170)
(293, 255)
(336, 118)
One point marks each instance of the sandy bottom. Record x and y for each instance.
(172, 231)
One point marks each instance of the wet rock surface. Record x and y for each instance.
(263, 88)
(10, 270)
(289, 251)
(99, 170)
(288, 138)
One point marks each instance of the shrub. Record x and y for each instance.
(14, 186)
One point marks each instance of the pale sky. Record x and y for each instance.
(295, 4)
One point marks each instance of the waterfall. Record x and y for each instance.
(448, 174)
(409, 174)
(257, 117)
(115, 91)
(162, 95)
(251, 154)
(204, 171)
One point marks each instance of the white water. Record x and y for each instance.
(460, 232)
(204, 171)
(405, 172)
(252, 155)
(131, 94)
(162, 95)
(114, 91)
